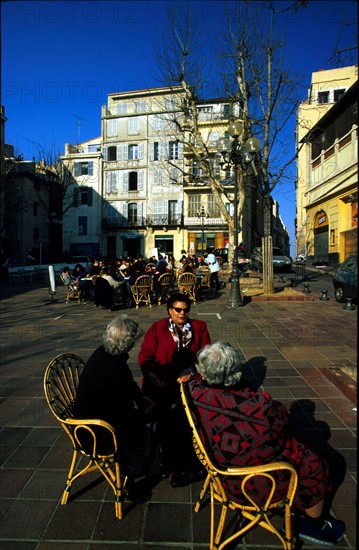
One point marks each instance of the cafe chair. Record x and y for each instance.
(92, 440)
(73, 291)
(164, 287)
(247, 513)
(108, 296)
(141, 290)
(205, 274)
(187, 284)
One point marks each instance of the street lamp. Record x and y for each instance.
(233, 153)
(201, 214)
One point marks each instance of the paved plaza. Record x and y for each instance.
(291, 347)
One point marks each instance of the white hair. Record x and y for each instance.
(219, 363)
(120, 335)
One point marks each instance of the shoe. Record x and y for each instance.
(181, 479)
(325, 533)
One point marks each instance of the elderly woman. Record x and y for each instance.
(246, 427)
(167, 357)
(108, 391)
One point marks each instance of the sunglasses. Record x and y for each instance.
(179, 309)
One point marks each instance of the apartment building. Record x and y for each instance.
(143, 189)
(82, 208)
(327, 167)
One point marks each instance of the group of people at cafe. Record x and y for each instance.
(244, 425)
(122, 273)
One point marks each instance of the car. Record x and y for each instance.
(345, 280)
(223, 253)
(281, 262)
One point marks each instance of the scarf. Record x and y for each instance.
(176, 334)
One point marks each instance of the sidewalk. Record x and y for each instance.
(292, 346)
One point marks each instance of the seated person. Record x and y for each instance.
(108, 391)
(106, 274)
(68, 279)
(258, 430)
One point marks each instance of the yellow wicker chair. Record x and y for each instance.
(73, 291)
(250, 510)
(164, 286)
(142, 290)
(187, 284)
(91, 438)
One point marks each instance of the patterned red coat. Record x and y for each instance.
(245, 427)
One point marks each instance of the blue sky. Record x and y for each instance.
(61, 59)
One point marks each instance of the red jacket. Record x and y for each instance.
(158, 350)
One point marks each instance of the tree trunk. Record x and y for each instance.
(267, 248)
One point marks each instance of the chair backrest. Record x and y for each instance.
(90, 436)
(61, 380)
(165, 279)
(204, 453)
(144, 281)
(187, 279)
(63, 280)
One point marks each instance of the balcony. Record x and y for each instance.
(164, 220)
(194, 221)
(118, 222)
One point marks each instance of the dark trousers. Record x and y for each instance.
(215, 281)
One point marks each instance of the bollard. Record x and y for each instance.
(306, 288)
(324, 295)
(349, 305)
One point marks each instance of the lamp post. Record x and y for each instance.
(233, 153)
(201, 215)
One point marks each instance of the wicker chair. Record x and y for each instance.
(93, 439)
(187, 284)
(205, 274)
(142, 289)
(73, 291)
(254, 513)
(164, 287)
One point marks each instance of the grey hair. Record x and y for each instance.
(219, 363)
(120, 335)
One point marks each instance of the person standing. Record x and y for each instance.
(215, 269)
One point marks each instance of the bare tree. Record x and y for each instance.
(251, 76)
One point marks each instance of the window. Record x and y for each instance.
(36, 234)
(133, 125)
(338, 94)
(83, 169)
(83, 196)
(323, 97)
(35, 206)
(133, 152)
(155, 151)
(141, 106)
(93, 148)
(196, 168)
(121, 108)
(111, 182)
(226, 111)
(82, 225)
(174, 150)
(133, 181)
(112, 127)
(213, 208)
(158, 122)
(194, 205)
(132, 213)
(170, 103)
(173, 213)
(112, 152)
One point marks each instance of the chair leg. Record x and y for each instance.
(65, 494)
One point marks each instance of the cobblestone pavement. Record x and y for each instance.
(290, 346)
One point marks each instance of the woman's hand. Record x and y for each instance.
(155, 381)
(184, 378)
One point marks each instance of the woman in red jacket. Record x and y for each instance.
(167, 358)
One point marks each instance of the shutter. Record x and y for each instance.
(104, 153)
(139, 212)
(119, 152)
(140, 151)
(180, 150)
(140, 180)
(178, 209)
(125, 178)
(76, 169)
(161, 151)
(90, 168)
(152, 150)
